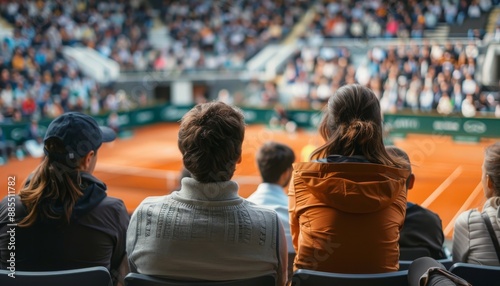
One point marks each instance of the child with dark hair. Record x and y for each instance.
(275, 167)
(422, 227)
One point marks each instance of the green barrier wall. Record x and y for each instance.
(470, 129)
(460, 128)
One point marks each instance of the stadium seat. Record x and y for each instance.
(405, 264)
(136, 279)
(95, 276)
(475, 274)
(303, 277)
(447, 262)
(412, 253)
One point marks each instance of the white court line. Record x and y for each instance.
(439, 190)
(170, 177)
(138, 171)
(464, 207)
(161, 174)
(247, 179)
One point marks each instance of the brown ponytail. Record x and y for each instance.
(52, 182)
(352, 125)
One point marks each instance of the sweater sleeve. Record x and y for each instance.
(283, 255)
(461, 237)
(132, 239)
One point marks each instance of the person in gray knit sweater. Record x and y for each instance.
(206, 231)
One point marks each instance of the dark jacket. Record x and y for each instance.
(422, 228)
(94, 237)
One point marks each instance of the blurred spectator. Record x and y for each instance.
(281, 119)
(28, 107)
(457, 97)
(468, 108)
(7, 147)
(496, 35)
(269, 96)
(225, 96)
(445, 105)
(114, 122)
(34, 141)
(450, 11)
(474, 10)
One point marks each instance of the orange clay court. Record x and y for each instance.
(448, 174)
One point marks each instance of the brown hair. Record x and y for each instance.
(210, 140)
(352, 125)
(273, 159)
(53, 182)
(492, 165)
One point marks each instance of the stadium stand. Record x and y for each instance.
(476, 274)
(170, 35)
(36, 77)
(223, 34)
(421, 77)
(434, 58)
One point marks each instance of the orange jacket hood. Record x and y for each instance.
(353, 187)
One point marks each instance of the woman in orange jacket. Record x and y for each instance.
(348, 204)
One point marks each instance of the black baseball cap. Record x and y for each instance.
(79, 134)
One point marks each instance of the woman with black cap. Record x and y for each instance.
(62, 216)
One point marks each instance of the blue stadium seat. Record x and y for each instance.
(136, 279)
(447, 262)
(405, 264)
(412, 253)
(477, 275)
(95, 276)
(303, 277)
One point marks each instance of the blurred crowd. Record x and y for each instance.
(223, 34)
(37, 80)
(390, 18)
(421, 77)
